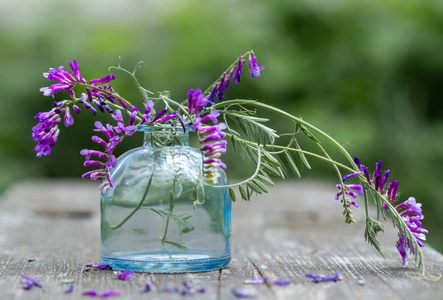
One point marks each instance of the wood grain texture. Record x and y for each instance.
(49, 230)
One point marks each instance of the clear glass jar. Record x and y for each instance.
(162, 216)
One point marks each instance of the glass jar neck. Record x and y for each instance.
(159, 136)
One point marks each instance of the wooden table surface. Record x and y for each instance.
(50, 231)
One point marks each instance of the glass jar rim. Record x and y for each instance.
(164, 128)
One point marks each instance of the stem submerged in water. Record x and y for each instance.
(138, 206)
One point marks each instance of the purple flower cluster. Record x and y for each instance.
(409, 210)
(114, 135)
(352, 190)
(319, 278)
(100, 96)
(411, 214)
(210, 136)
(29, 282)
(219, 88)
(46, 132)
(66, 81)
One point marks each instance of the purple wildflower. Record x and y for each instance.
(255, 281)
(121, 128)
(103, 80)
(102, 267)
(351, 175)
(414, 224)
(110, 161)
(224, 85)
(282, 282)
(46, 132)
(65, 79)
(77, 109)
(409, 210)
(125, 275)
(68, 120)
(319, 278)
(87, 105)
(238, 69)
(159, 116)
(196, 102)
(254, 69)
(76, 71)
(346, 189)
(166, 118)
(379, 179)
(29, 282)
(243, 293)
(211, 146)
(213, 94)
(148, 109)
(402, 249)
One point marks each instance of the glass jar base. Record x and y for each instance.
(166, 262)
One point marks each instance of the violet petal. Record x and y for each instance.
(69, 289)
(106, 294)
(281, 282)
(255, 281)
(243, 293)
(103, 267)
(125, 275)
(147, 287)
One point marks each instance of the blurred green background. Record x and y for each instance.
(368, 72)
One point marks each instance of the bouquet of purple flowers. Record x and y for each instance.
(247, 133)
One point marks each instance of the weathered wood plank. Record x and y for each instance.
(50, 231)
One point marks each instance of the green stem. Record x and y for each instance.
(298, 120)
(138, 206)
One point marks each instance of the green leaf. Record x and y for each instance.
(261, 185)
(253, 186)
(282, 166)
(188, 229)
(249, 191)
(178, 191)
(174, 244)
(302, 158)
(233, 142)
(292, 164)
(243, 193)
(371, 230)
(265, 178)
(232, 194)
(270, 169)
(269, 158)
